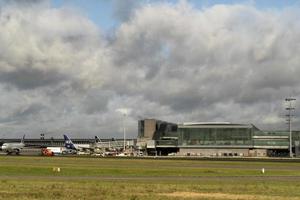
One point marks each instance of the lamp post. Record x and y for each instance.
(124, 130)
(289, 115)
(124, 112)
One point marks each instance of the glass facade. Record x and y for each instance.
(271, 143)
(227, 135)
(214, 136)
(296, 135)
(141, 127)
(271, 139)
(156, 129)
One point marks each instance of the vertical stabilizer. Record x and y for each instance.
(97, 139)
(68, 143)
(23, 138)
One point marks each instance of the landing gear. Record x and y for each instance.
(17, 152)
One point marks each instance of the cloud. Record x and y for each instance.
(58, 74)
(232, 53)
(23, 78)
(59, 43)
(123, 10)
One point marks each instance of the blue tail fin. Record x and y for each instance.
(68, 143)
(22, 140)
(97, 139)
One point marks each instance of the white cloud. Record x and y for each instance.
(175, 62)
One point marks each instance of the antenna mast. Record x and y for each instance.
(289, 120)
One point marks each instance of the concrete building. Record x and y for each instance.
(213, 139)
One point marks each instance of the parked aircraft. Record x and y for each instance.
(74, 148)
(47, 152)
(13, 147)
(97, 140)
(108, 148)
(52, 151)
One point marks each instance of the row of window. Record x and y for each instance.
(214, 134)
(227, 136)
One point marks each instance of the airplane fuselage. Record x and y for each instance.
(12, 147)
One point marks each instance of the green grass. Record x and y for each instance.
(110, 178)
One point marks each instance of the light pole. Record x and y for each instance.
(124, 131)
(124, 112)
(289, 115)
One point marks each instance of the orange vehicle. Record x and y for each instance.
(47, 152)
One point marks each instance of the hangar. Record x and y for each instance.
(213, 139)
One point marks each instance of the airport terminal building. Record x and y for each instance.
(213, 139)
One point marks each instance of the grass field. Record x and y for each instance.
(110, 178)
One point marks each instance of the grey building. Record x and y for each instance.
(213, 139)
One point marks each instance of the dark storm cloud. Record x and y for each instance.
(95, 102)
(22, 115)
(31, 110)
(29, 78)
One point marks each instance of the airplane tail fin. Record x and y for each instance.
(68, 143)
(23, 138)
(97, 139)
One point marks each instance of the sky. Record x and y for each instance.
(70, 67)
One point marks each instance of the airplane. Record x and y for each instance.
(105, 148)
(52, 151)
(74, 148)
(47, 152)
(13, 147)
(97, 140)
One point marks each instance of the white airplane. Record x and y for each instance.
(74, 148)
(13, 147)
